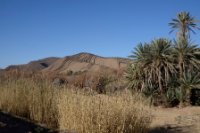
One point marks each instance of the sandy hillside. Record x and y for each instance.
(86, 62)
(37, 65)
(76, 63)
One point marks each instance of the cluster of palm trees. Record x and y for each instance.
(167, 68)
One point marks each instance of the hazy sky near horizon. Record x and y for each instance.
(35, 29)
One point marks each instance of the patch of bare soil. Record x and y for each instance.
(176, 120)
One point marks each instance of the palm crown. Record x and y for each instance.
(184, 23)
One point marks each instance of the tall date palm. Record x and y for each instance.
(155, 62)
(186, 56)
(184, 23)
(162, 60)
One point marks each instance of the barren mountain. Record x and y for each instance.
(34, 65)
(76, 63)
(86, 62)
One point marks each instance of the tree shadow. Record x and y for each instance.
(13, 124)
(171, 129)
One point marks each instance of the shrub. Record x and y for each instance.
(69, 73)
(101, 84)
(173, 96)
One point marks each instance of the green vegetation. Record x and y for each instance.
(165, 69)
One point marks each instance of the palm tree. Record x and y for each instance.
(186, 56)
(135, 78)
(188, 82)
(162, 61)
(137, 72)
(185, 53)
(153, 61)
(141, 54)
(184, 23)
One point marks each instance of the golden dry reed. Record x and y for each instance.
(71, 110)
(121, 113)
(35, 100)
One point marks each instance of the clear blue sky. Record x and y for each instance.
(34, 29)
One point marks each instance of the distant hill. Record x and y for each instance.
(34, 65)
(86, 62)
(76, 63)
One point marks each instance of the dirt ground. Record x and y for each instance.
(166, 120)
(176, 120)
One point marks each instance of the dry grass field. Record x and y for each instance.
(71, 109)
(103, 114)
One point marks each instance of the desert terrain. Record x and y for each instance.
(164, 120)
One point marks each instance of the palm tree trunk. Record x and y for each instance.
(188, 91)
(181, 68)
(184, 35)
(143, 85)
(182, 89)
(161, 85)
(160, 82)
(181, 97)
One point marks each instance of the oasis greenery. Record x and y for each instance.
(165, 69)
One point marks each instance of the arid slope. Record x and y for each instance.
(86, 62)
(34, 65)
(75, 63)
